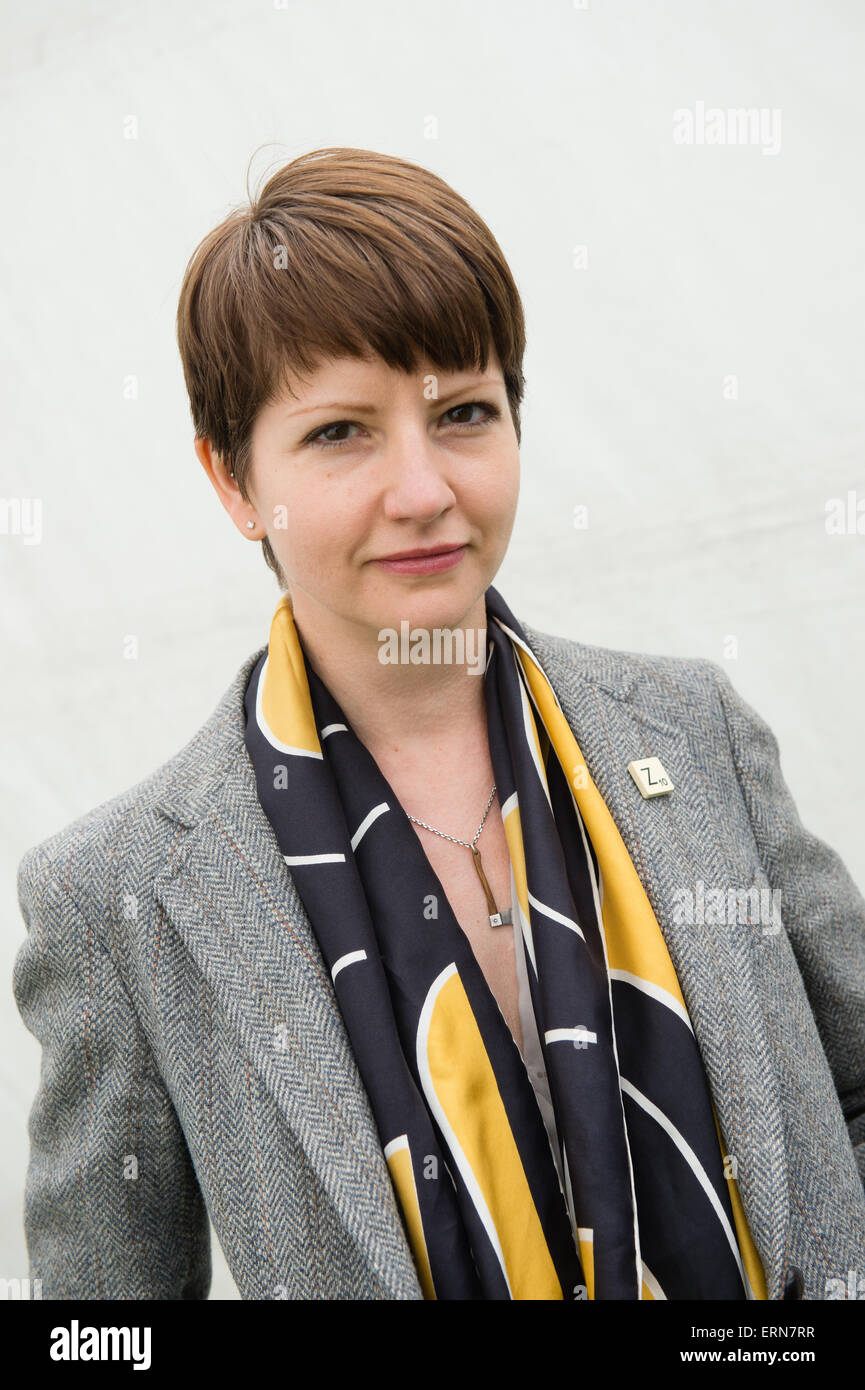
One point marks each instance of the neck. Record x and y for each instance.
(402, 707)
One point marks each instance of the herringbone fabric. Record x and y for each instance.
(196, 1064)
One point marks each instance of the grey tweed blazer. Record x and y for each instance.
(195, 1061)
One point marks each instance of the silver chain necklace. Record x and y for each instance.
(497, 919)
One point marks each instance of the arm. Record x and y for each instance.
(823, 910)
(112, 1208)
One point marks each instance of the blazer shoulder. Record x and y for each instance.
(80, 852)
(634, 676)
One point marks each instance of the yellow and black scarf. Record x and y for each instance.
(593, 1169)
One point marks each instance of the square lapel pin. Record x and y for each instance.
(650, 777)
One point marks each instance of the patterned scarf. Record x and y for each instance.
(594, 1167)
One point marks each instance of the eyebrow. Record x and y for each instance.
(365, 408)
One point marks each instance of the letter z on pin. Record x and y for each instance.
(650, 777)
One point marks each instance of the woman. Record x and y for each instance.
(449, 959)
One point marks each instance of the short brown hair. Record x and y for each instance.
(343, 251)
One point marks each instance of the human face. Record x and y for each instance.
(365, 461)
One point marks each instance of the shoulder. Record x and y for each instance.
(692, 697)
(84, 856)
(652, 680)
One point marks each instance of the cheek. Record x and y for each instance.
(497, 499)
(315, 528)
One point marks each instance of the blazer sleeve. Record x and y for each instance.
(823, 910)
(112, 1208)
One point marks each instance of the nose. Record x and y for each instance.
(416, 487)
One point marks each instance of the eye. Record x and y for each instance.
(318, 440)
(317, 436)
(492, 413)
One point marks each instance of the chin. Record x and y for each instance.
(444, 606)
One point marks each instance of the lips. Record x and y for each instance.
(424, 553)
(425, 562)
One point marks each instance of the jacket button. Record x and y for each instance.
(795, 1285)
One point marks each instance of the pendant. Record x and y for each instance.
(497, 919)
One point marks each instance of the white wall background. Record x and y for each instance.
(706, 514)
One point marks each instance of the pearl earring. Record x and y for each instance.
(250, 524)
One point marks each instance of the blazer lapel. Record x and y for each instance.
(673, 841)
(230, 896)
(228, 893)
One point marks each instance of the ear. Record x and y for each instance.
(225, 486)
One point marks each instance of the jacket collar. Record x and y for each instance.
(229, 895)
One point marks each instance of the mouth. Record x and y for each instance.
(429, 561)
